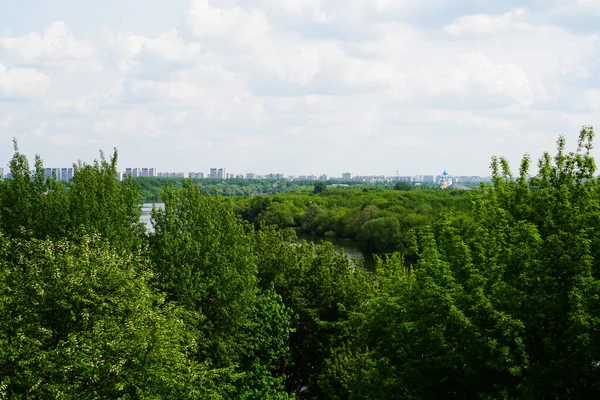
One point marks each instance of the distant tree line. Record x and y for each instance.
(379, 218)
(152, 187)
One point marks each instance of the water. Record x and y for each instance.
(350, 247)
(146, 213)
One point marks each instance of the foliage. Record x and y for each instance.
(323, 289)
(343, 212)
(81, 322)
(96, 202)
(221, 300)
(501, 305)
(319, 188)
(401, 185)
(204, 261)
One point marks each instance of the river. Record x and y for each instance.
(146, 210)
(350, 247)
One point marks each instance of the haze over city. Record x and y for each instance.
(301, 87)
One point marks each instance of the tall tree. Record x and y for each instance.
(99, 203)
(204, 261)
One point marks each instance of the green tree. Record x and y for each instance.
(279, 214)
(323, 288)
(99, 203)
(501, 305)
(79, 321)
(204, 261)
(22, 196)
(380, 235)
(320, 187)
(401, 185)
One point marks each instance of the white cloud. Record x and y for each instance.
(137, 123)
(56, 46)
(483, 24)
(386, 80)
(167, 46)
(5, 122)
(589, 100)
(163, 91)
(578, 6)
(22, 83)
(474, 79)
(237, 24)
(85, 105)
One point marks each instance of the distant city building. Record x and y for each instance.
(346, 176)
(197, 175)
(139, 172)
(133, 172)
(60, 174)
(173, 174)
(66, 174)
(250, 175)
(221, 174)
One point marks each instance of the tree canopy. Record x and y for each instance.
(499, 297)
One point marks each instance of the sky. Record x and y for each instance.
(297, 86)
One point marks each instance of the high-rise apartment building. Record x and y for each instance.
(221, 174)
(133, 172)
(60, 174)
(67, 174)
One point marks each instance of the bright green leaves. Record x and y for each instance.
(79, 321)
(99, 203)
(203, 259)
(94, 203)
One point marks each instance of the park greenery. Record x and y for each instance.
(152, 187)
(500, 299)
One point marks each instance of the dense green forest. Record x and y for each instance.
(152, 187)
(379, 218)
(220, 301)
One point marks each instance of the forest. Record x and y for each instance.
(501, 299)
(152, 187)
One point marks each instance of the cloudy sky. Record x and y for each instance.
(297, 86)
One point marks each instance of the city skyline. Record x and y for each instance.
(315, 86)
(66, 174)
(121, 167)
